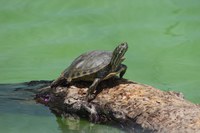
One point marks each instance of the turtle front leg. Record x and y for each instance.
(122, 70)
(90, 96)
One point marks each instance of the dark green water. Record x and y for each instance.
(39, 38)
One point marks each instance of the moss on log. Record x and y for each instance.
(135, 107)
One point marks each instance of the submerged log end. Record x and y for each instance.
(133, 106)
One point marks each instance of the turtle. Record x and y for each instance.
(94, 66)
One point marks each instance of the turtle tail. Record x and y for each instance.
(58, 82)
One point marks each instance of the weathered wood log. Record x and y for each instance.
(135, 107)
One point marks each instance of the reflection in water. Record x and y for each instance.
(68, 124)
(71, 125)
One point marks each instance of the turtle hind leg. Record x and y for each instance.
(90, 96)
(122, 70)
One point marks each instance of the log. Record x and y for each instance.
(133, 106)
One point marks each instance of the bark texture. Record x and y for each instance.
(135, 107)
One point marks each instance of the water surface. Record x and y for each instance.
(40, 38)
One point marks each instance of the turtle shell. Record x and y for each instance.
(87, 63)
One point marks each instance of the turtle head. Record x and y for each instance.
(118, 55)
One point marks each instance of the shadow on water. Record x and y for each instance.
(18, 98)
